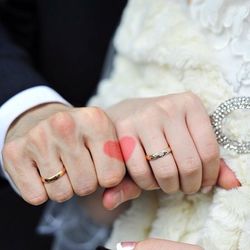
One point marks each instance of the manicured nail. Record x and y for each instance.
(206, 190)
(126, 245)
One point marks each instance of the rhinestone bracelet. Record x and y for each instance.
(217, 117)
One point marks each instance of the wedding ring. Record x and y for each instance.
(54, 177)
(159, 155)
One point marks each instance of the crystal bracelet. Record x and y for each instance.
(217, 117)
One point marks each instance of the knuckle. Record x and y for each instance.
(171, 189)
(190, 166)
(168, 179)
(122, 125)
(144, 179)
(170, 108)
(211, 153)
(11, 152)
(113, 177)
(31, 138)
(62, 123)
(164, 173)
(191, 189)
(191, 171)
(191, 98)
(153, 111)
(37, 136)
(37, 200)
(140, 173)
(149, 186)
(111, 180)
(62, 196)
(97, 119)
(86, 189)
(190, 95)
(96, 115)
(38, 132)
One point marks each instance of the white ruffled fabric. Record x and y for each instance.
(227, 25)
(161, 50)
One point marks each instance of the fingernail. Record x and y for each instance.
(206, 190)
(126, 245)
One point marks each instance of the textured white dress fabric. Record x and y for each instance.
(166, 46)
(226, 23)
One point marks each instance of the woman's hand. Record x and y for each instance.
(156, 244)
(128, 190)
(227, 178)
(179, 121)
(51, 137)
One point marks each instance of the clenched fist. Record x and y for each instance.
(52, 138)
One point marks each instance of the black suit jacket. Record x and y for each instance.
(59, 43)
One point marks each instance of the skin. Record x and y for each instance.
(226, 178)
(194, 162)
(157, 244)
(172, 120)
(112, 148)
(53, 136)
(128, 190)
(92, 146)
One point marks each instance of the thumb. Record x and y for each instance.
(227, 178)
(126, 190)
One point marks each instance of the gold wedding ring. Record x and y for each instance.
(159, 155)
(54, 177)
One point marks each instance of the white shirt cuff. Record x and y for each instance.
(20, 103)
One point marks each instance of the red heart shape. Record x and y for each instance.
(127, 144)
(112, 149)
(121, 150)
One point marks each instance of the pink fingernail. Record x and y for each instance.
(206, 190)
(126, 245)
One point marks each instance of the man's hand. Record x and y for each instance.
(51, 137)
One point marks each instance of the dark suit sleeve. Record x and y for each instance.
(17, 33)
(17, 65)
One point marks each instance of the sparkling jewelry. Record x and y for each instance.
(159, 155)
(54, 177)
(240, 147)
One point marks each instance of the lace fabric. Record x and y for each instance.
(226, 23)
(72, 228)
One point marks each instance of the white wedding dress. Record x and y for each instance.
(170, 46)
(226, 23)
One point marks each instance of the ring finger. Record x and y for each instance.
(164, 168)
(59, 190)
